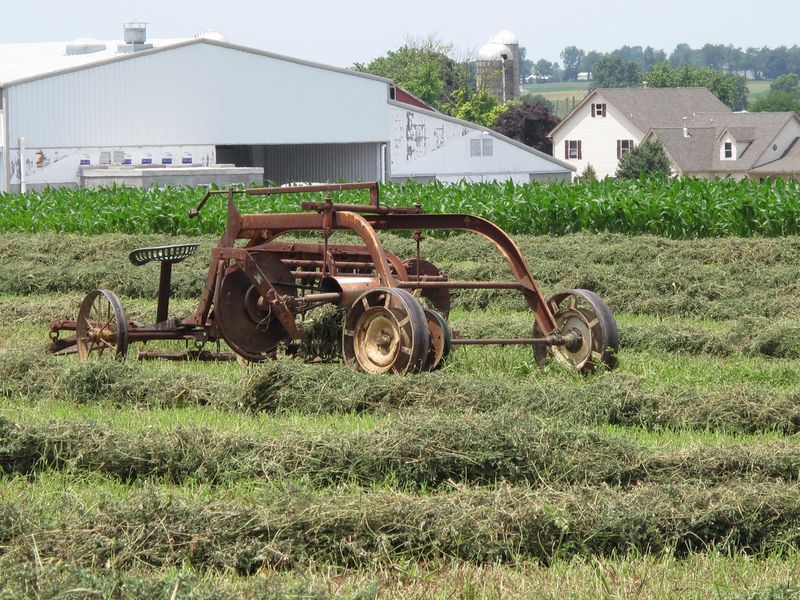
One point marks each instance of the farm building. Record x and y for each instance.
(202, 110)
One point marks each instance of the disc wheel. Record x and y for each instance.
(252, 331)
(583, 314)
(441, 340)
(386, 331)
(102, 327)
(439, 298)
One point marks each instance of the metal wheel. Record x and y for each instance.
(102, 327)
(386, 331)
(441, 340)
(250, 329)
(439, 298)
(582, 312)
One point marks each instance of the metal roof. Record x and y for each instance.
(21, 62)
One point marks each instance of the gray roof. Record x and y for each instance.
(648, 108)
(700, 152)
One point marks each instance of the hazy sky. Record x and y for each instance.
(341, 33)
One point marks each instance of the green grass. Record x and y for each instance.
(673, 476)
(757, 89)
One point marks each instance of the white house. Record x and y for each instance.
(612, 121)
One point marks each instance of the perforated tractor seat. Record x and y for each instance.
(164, 254)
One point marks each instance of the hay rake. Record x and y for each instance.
(255, 290)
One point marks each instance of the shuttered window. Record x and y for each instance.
(624, 146)
(599, 109)
(572, 149)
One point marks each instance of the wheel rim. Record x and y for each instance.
(441, 340)
(102, 328)
(386, 331)
(583, 314)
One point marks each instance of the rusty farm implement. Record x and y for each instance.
(397, 310)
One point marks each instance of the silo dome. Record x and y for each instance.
(212, 34)
(504, 37)
(492, 52)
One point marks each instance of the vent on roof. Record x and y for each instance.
(135, 36)
(84, 46)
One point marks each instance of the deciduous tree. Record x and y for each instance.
(729, 88)
(529, 124)
(644, 160)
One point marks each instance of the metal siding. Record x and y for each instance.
(321, 163)
(198, 94)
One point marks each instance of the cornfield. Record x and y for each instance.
(674, 208)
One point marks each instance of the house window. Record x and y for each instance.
(728, 150)
(599, 109)
(623, 147)
(572, 149)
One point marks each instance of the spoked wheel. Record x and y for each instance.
(441, 340)
(102, 327)
(248, 327)
(584, 316)
(386, 331)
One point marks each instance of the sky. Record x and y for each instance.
(343, 32)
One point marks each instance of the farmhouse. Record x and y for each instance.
(612, 121)
(202, 110)
(755, 145)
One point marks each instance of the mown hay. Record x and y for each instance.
(417, 451)
(294, 527)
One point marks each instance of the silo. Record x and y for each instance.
(511, 41)
(494, 67)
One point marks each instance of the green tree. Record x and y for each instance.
(783, 95)
(540, 100)
(476, 107)
(544, 69)
(614, 72)
(572, 57)
(729, 88)
(425, 68)
(645, 160)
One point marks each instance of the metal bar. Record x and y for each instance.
(548, 341)
(466, 285)
(302, 189)
(324, 297)
(165, 278)
(363, 208)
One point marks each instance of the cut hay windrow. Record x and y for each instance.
(290, 386)
(412, 452)
(616, 399)
(293, 527)
(713, 278)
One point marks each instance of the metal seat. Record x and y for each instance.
(164, 254)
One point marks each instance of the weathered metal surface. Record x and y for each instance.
(253, 294)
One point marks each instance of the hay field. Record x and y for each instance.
(674, 476)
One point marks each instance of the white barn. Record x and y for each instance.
(90, 113)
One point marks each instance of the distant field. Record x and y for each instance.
(568, 94)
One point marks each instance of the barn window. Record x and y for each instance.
(474, 147)
(487, 146)
(599, 109)
(623, 147)
(481, 147)
(572, 149)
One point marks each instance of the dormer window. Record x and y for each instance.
(727, 150)
(599, 109)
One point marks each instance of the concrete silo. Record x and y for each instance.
(510, 40)
(495, 71)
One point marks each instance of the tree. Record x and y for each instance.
(476, 107)
(544, 69)
(572, 57)
(526, 66)
(589, 61)
(729, 88)
(645, 160)
(529, 124)
(783, 95)
(682, 55)
(425, 68)
(613, 72)
(538, 99)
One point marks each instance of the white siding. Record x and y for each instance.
(598, 137)
(424, 145)
(198, 94)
